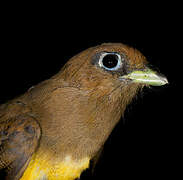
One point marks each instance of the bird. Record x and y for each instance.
(58, 126)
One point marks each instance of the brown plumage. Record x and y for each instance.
(72, 113)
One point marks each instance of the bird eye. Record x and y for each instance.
(110, 61)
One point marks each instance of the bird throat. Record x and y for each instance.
(42, 168)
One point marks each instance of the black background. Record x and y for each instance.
(36, 42)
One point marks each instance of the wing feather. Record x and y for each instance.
(19, 137)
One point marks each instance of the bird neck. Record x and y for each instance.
(78, 120)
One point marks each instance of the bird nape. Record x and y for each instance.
(55, 129)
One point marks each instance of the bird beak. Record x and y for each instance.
(146, 76)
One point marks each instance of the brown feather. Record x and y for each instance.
(76, 109)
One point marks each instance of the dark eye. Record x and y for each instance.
(110, 61)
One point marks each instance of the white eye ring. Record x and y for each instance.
(116, 67)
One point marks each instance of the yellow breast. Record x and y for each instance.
(40, 168)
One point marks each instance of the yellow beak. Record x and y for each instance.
(147, 76)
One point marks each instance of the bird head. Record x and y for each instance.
(109, 66)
